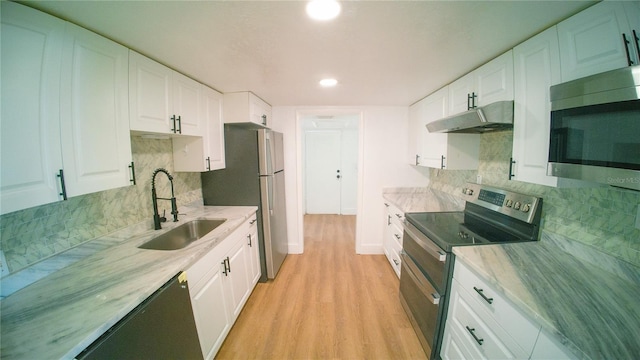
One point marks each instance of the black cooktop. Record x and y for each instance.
(448, 229)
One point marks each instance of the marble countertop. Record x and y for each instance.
(588, 302)
(63, 313)
(422, 200)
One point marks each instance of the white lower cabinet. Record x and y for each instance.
(393, 232)
(482, 324)
(220, 287)
(253, 245)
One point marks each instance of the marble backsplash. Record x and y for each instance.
(30, 235)
(602, 217)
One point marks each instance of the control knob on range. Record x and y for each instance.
(517, 205)
(467, 191)
(509, 203)
(526, 207)
(463, 235)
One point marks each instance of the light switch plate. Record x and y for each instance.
(638, 218)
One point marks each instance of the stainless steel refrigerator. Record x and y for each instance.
(254, 175)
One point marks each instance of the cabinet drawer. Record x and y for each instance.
(492, 306)
(396, 233)
(480, 334)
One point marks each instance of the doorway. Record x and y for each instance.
(330, 164)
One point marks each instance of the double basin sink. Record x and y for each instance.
(183, 235)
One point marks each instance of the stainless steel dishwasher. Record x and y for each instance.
(162, 327)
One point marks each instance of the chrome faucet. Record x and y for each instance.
(154, 197)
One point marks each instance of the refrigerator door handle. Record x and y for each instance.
(270, 191)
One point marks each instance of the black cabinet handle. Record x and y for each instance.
(227, 266)
(636, 40)
(173, 118)
(511, 163)
(397, 236)
(396, 262)
(249, 237)
(417, 159)
(471, 101)
(388, 219)
(133, 174)
(208, 163)
(264, 120)
(481, 292)
(472, 331)
(442, 162)
(253, 221)
(179, 125)
(63, 193)
(626, 48)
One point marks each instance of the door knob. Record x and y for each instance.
(338, 177)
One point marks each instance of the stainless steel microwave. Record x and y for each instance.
(595, 128)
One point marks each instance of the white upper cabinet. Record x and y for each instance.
(31, 59)
(162, 100)
(593, 40)
(537, 67)
(65, 128)
(441, 150)
(246, 107)
(489, 83)
(96, 145)
(198, 154)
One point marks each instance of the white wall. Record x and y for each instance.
(383, 133)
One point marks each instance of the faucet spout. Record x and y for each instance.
(154, 197)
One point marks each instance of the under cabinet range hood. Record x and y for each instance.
(493, 117)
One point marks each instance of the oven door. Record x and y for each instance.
(421, 302)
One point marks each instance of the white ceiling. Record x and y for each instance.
(381, 52)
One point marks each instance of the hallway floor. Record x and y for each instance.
(327, 303)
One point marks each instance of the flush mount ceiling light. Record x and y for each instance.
(323, 9)
(328, 82)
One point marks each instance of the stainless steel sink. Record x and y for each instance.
(182, 235)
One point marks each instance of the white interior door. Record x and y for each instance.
(322, 162)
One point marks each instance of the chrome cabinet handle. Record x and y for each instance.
(481, 292)
(227, 266)
(208, 163)
(417, 159)
(388, 219)
(472, 331)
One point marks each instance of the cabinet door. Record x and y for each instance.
(211, 115)
(434, 146)
(237, 277)
(494, 80)
(96, 143)
(459, 92)
(259, 110)
(537, 67)
(30, 137)
(210, 312)
(186, 104)
(253, 244)
(591, 41)
(415, 121)
(150, 89)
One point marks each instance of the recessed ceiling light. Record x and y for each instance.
(323, 9)
(328, 82)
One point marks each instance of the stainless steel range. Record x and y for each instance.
(490, 216)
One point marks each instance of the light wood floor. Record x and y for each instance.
(327, 303)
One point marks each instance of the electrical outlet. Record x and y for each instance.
(638, 218)
(3, 264)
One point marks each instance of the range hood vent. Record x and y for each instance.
(496, 116)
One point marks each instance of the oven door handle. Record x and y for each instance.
(425, 243)
(423, 283)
